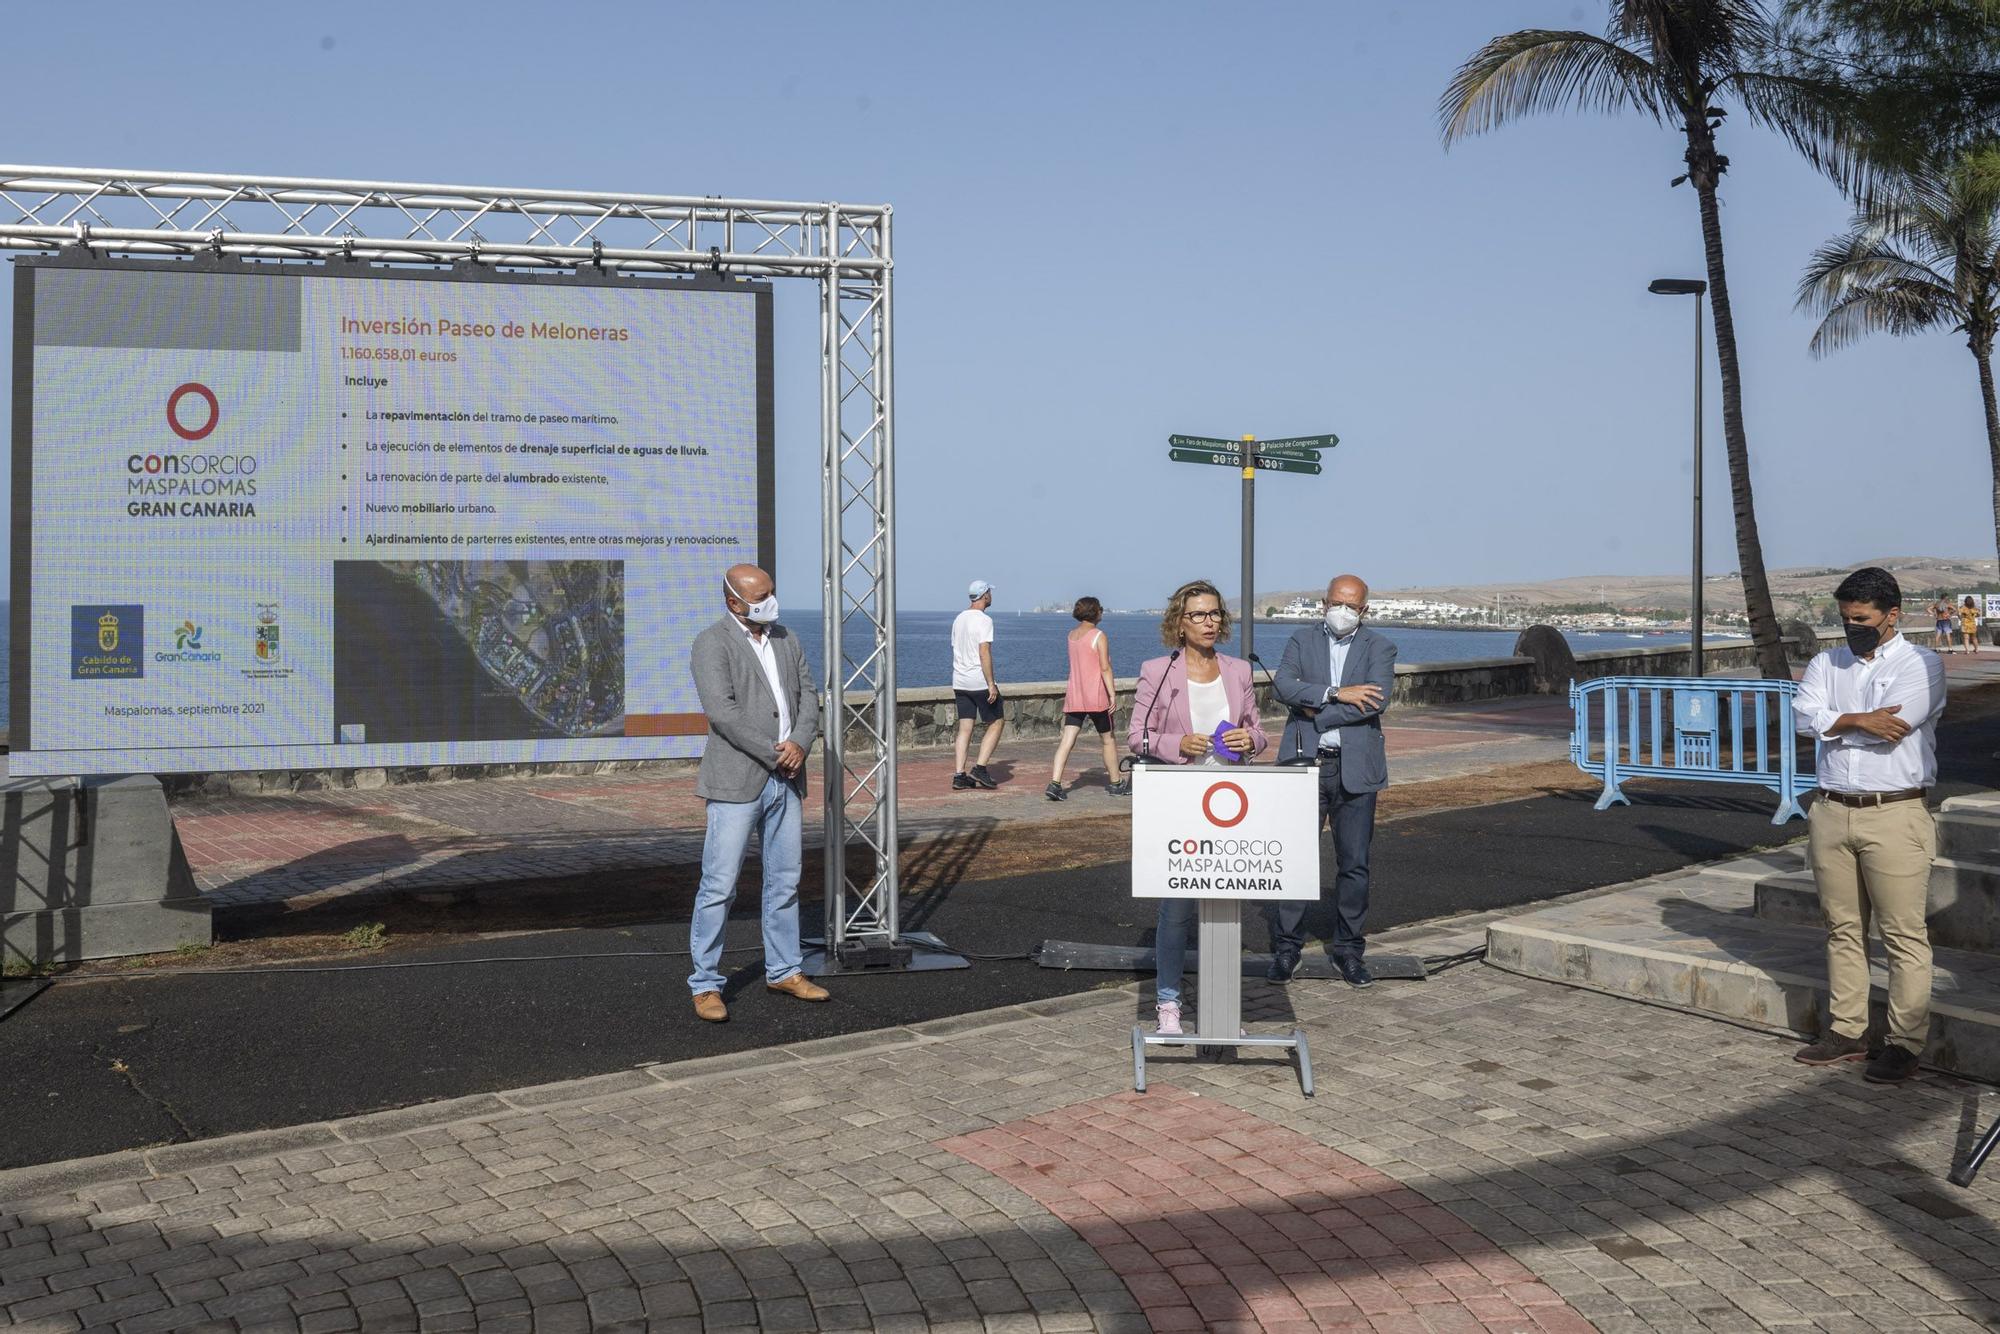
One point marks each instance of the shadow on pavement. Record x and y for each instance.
(528, 1232)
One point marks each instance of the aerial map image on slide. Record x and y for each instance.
(441, 650)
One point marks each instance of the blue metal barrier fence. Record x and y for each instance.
(1713, 730)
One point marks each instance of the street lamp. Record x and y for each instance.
(1693, 287)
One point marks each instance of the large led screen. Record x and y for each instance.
(282, 517)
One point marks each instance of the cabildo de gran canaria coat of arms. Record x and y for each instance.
(107, 632)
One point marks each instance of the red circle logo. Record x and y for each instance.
(201, 391)
(1208, 809)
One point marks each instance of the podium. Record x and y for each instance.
(1223, 835)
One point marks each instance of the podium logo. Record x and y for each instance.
(179, 413)
(1216, 811)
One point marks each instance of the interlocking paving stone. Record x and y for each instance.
(1211, 1214)
(1427, 1188)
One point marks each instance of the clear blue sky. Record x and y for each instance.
(1117, 221)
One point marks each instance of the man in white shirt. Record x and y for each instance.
(1874, 706)
(975, 688)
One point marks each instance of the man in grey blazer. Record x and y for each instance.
(1336, 679)
(763, 716)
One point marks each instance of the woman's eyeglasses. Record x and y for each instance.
(1202, 615)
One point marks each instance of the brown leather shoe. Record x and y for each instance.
(798, 985)
(708, 1005)
(1831, 1049)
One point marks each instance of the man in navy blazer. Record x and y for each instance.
(1336, 678)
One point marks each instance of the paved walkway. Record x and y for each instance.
(1485, 1154)
(307, 847)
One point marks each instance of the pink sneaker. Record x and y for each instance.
(1170, 1019)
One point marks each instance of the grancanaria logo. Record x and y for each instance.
(187, 645)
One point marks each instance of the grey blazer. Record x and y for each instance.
(1301, 683)
(742, 717)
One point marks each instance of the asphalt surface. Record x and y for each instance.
(115, 1062)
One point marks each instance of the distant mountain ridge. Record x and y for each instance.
(1792, 588)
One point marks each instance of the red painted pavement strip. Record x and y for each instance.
(283, 834)
(1219, 1220)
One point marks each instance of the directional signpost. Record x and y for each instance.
(1297, 453)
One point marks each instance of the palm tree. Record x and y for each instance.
(1679, 62)
(1923, 253)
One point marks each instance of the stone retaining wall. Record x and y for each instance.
(928, 717)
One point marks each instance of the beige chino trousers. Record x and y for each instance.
(1875, 862)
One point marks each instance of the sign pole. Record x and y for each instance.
(1249, 546)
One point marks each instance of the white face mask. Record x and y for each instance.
(1342, 620)
(759, 613)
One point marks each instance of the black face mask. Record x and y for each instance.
(1863, 639)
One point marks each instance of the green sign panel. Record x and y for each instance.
(1287, 465)
(1202, 442)
(1205, 456)
(1298, 444)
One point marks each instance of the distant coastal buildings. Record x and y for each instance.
(1436, 612)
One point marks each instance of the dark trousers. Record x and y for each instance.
(1352, 816)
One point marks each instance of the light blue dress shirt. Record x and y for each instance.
(1336, 657)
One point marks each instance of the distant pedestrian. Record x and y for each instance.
(975, 687)
(763, 717)
(1091, 697)
(1946, 617)
(1873, 704)
(1968, 625)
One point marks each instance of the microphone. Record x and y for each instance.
(1301, 758)
(1146, 730)
(1269, 679)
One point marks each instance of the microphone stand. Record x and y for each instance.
(1146, 731)
(1301, 759)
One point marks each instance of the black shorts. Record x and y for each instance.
(974, 704)
(1100, 719)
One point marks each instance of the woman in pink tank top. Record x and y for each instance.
(1090, 698)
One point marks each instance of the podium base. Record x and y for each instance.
(1068, 954)
(1296, 1041)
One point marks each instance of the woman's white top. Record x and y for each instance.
(1208, 708)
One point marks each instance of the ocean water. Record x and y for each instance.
(1029, 646)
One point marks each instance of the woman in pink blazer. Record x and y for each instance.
(1182, 700)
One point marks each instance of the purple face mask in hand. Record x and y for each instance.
(1222, 751)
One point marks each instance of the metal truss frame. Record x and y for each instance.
(845, 247)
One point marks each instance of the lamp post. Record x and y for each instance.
(1693, 287)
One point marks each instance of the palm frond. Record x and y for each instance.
(1860, 260)
(1816, 116)
(1540, 69)
(1891, 308)
(1693, 40)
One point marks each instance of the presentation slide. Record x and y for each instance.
(279, 517)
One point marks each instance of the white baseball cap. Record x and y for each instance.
(979, 589)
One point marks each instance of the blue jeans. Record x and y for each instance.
(774, 813)
(1170, 948)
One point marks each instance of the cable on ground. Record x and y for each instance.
(1444, 963)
